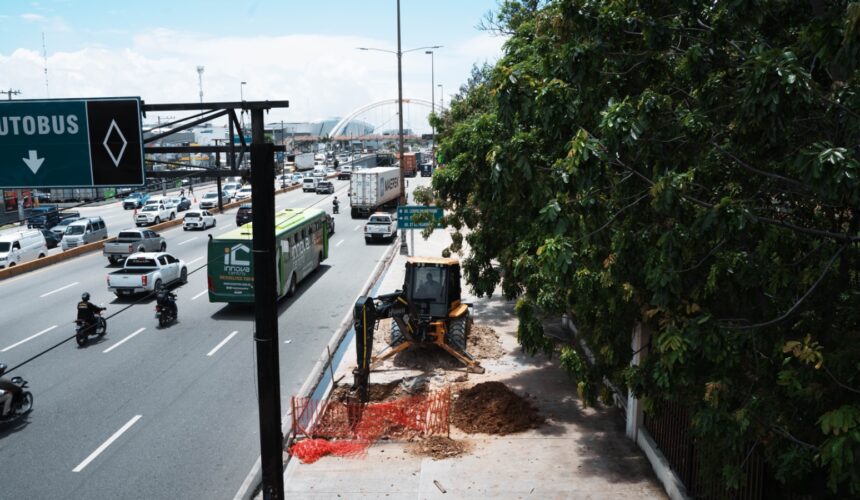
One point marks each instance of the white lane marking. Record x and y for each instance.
(339, 243)
(107, 443)
(193, 261)
(57, 290)
(31, 337)
(227, 229)
(219, 346)
(356, 228)
(198, 295)
(189, 240)
(121, 342)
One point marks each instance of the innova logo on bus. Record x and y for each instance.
(233, 263)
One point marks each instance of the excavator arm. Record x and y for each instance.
(367, 312)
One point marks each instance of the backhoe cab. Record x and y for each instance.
(427, 310)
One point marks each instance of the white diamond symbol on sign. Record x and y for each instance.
(116, 158)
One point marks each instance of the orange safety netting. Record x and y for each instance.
(349, 428)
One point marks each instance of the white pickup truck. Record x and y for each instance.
(146, 272)
(154, 213)
(380, 225)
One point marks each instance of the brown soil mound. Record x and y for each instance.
(492, 408)
(483, 343)
(438, 447)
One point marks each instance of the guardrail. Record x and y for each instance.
(98, 245)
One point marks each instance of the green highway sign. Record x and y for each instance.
(405, 213)
(71, 143)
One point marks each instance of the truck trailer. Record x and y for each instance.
(373, 188)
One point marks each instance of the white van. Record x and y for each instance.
(310, 184)
(84, 231)
(20, 247)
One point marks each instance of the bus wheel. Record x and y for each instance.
(291, 288)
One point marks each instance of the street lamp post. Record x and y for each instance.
(399, 55)
(432, 104)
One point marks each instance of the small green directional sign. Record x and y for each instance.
(405, 215)
(71, 143)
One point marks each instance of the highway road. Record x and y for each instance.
(158, 413)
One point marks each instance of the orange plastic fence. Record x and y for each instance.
(348, 428)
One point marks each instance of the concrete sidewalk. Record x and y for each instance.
(577, 453)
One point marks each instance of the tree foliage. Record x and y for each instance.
(691, 167)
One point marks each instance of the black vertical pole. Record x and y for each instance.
(266, 319)
(232, 147)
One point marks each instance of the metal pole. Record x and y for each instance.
(266, 318)
(433, 104)
(232, 146)
(400, 107)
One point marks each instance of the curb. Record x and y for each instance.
(98, 245)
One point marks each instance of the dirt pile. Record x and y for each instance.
(438, 447)
(492, 408)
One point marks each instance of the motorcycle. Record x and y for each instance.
(21, 405)
(84, 330)
(165, 308)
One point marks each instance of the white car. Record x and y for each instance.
(229, 190)
(243, 194)
(154, 214)
(209, 200)
(198, 219)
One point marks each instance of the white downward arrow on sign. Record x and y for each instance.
(34, 162)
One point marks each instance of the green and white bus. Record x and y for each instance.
(301, 237)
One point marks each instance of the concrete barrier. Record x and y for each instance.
(98, 245)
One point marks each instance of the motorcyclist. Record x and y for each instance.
(335, 205)
(166, 298)
(9, 392)
(87, 311)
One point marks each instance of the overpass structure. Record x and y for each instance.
(336, 133)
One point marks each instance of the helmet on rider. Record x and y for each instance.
(85, 296)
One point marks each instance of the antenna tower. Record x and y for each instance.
(45, 60)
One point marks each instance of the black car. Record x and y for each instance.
(43, 217)
(325, 187)
(51, 239)
(244, 214)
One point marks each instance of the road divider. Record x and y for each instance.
(221, 344)
(123, 341)
(107, 443)
(58, 290)
(31, 337)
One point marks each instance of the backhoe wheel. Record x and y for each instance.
(396, 335)
(457, 330)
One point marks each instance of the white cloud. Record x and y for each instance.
(31, 17)
(321, 76)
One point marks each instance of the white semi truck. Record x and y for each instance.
(373, 188)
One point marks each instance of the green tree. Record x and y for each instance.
(690, 167)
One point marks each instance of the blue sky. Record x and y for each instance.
(301, 51)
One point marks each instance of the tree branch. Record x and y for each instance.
(799, 301)
(754, 170)
(840, 384)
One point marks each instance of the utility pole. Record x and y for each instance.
(400, 108)
(266, 316)
(18, 193)
(432, 103)
(9, 93)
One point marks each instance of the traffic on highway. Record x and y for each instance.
(146, 393)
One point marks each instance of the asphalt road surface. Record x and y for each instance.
(158, 413)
